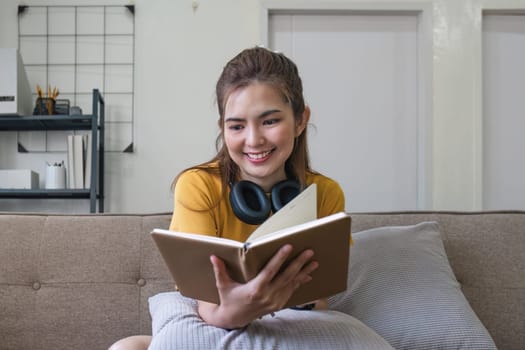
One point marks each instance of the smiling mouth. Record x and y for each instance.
(259, 156)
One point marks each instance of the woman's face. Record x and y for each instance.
(259, 133)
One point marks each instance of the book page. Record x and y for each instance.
(198, 237)
(296, 229)
(299, 210)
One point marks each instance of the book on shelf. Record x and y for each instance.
(78, 161)
(70, 170)
(79, 157)
(88, 154)
(187, 255)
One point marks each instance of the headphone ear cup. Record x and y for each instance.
(249, 202)
(283, 192)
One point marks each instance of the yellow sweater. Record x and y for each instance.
(202, 207)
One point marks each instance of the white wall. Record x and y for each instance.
(179, 55)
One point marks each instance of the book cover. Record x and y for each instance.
(78, 161)
(70, 162)
(187, 255)
(88, 154)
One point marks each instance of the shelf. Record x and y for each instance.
(93, 122)
(45, 122)
(65, 193)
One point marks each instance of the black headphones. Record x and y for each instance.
(250, 204)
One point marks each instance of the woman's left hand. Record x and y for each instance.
(267, 292)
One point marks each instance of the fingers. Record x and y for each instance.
(274, 265)
(296, 273)
(221, 274)
(304, 275)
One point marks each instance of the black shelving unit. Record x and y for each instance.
(93, 122)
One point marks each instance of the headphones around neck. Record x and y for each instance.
(251, 205)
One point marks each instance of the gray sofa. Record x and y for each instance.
(83, 281)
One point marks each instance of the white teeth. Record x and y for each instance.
(258, 155)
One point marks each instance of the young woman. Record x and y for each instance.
(261, 147)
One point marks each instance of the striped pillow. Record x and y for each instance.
(177, 325)
(402, 286)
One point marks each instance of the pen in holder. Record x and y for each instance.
(55, 176)
(47, 105)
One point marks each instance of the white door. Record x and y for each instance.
(503, 112)
(360, 79)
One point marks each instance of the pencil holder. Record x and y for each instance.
(55, 176)
(44, 106)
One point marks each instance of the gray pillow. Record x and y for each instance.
(402, 286)
(177, 325)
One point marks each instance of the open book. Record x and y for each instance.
(187, 255)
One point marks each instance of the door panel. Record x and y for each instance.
(503, 112)
(360, 79)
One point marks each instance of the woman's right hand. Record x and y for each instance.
(267, 292)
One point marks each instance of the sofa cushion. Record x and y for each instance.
(177, 325)
(402, 286)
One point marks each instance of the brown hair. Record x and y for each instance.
(260, 65)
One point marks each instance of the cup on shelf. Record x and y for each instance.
(55, 176)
